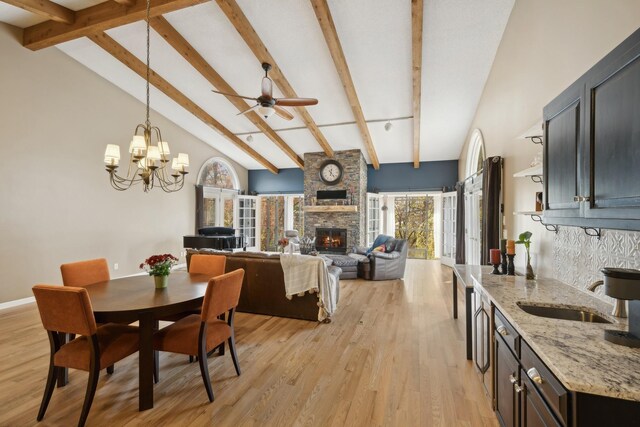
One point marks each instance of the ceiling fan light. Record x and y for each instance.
(266, 112)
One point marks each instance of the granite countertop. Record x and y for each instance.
(576, 352)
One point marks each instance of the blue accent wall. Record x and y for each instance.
(288, 181)
(404, 177)
(390, 177)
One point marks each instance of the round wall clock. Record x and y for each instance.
(331, 172)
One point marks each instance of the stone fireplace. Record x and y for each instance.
(347, 213)
(332, 240)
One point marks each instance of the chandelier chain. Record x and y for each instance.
(148, 122)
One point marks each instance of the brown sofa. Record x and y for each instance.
(263, 289)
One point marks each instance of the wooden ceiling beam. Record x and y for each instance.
(45, 8)
(139, 67)
(416, 57)
(126, 2)
(175, 39)
(245, 29)
(323, 14)
(96, 19)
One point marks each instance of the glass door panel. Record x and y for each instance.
(247, 222)
(272, 221)
(449, 206)
(373, 217)
(414, 222)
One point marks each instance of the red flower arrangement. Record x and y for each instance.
(283, 242)
(159, 265)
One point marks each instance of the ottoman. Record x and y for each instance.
(364, 265)
(348, 265)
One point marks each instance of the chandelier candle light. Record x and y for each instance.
(147, 163)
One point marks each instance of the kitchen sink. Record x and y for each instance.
(564, 313)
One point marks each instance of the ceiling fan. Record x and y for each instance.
(267, 104)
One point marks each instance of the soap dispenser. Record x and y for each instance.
(624, 284)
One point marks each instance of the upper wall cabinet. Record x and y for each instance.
(563, 119)
(592, 145)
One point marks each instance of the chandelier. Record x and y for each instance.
(148, 163)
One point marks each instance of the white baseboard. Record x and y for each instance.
(16, 303)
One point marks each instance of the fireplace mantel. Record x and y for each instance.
(329, 208)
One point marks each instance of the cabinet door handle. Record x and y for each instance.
(512, 379)
(534, 375)
(518, 388)
(502, 330)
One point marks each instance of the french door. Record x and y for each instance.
(219, 207)
(373, 217)
(473, 221)
(246, 219)
(413, 216)
(449, 205)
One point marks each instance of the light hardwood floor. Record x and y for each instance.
(393, 356)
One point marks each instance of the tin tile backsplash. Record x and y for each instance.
(578, 258)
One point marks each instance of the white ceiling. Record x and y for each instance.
(459, 44)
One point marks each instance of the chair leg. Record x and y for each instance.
(48, 390)
(156, 366)
(92, 384)
(234, 356)
(204, 371)
(63, 373)
(110, 369)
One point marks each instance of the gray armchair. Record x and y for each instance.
(387, 265)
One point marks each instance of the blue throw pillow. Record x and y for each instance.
(379, 241)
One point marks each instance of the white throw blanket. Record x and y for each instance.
(304, 273)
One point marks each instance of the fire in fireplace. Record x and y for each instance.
(332, 240)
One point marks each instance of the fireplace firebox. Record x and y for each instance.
(332, 240)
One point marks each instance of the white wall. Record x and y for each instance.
(57, 205)
(546, 46)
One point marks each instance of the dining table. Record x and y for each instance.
(135, 298)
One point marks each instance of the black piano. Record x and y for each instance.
(220, 238)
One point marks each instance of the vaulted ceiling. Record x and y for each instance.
(420, 64)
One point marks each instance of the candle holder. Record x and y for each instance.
(495, 269)
(511, 269)
(504, 263)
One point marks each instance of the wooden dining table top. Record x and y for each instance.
(130, 295)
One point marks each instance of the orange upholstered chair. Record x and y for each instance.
(212, 265)
(83, 273)
(196, 335)
(67, 310)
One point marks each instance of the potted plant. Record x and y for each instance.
(282, 243)
(159, 266)
(525, 239)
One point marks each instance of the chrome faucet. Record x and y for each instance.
(619, 307)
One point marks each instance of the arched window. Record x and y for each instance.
(475, 153)
(217, 172)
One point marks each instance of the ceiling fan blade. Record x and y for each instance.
(267, 87)
(282, 113)
(231, 94)
(247, 110)
(296, 102)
